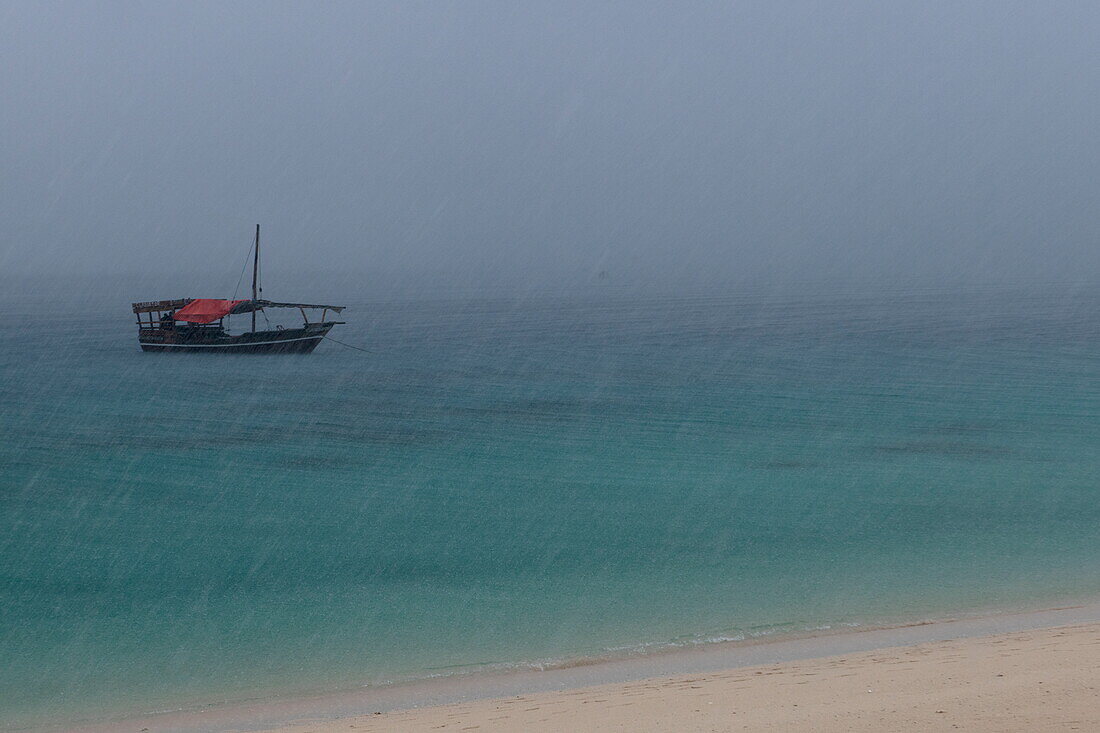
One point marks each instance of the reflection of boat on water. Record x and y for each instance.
(198, 324)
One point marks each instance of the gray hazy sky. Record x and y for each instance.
(544, 142)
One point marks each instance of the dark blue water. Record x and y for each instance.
(506, 482)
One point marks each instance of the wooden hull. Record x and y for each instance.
(206, 341)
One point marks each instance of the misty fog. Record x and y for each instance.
(504, 146)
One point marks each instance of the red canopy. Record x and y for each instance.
(205, 310)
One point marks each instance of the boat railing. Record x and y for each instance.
(158, 327)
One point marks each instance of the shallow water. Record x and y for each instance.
(515, 481)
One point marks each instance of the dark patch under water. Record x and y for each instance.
(956, 448)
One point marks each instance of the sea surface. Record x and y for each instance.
(528, 481)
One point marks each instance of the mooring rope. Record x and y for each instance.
(365, 351)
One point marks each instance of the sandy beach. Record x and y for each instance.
(1036, 670)
(1024, 681)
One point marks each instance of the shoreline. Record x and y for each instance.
(278, 713)
(1023, 681)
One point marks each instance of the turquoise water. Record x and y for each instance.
(522, 481)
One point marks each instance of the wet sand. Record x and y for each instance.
(1025, 681)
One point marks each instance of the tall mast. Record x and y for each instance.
(255, 273)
